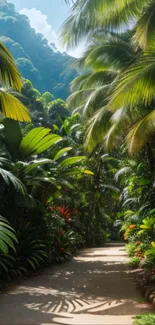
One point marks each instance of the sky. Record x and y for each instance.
(46, 17)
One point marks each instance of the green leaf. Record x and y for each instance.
(12, 108)
(88, 172)
(8, 178)
(62, 152)
(7, 239)
(6, 236)
(73, 171)
(39, 180)
(3, 247)
(13, 136)
(70, 161)
(37, 141)
(36, 163)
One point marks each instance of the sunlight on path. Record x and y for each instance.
(95, 288)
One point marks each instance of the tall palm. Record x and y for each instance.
(9, 76)
(110, 15)
(130, 98)
(107, 15)
(105, 58)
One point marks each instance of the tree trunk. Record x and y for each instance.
(150, 157)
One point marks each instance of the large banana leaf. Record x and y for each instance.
(11, 107)
(37, 141)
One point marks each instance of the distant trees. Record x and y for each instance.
(47, 68)
(44, 109)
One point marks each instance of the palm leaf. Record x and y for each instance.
(141, 133)
(97, 127)
(145, 27)
(136, 85)
(107, 15)
(12, 108)
(8, 71)
(9, 178)
(7, 236)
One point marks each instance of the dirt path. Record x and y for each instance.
(95, 288)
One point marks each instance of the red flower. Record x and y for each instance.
(64, 212)
(61, 249)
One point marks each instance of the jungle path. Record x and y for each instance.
(95, 288)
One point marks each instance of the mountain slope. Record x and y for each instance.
(48, 69)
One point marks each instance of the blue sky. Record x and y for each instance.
(56, 10)
(46, 17)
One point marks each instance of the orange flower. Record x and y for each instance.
(132, 227)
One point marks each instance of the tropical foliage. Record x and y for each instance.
(47, 181)
(114, 94)
(82, 172)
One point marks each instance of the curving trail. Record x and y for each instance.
(95, 288)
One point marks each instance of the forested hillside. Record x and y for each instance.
(48, 69)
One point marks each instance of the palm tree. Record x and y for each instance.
(9, 76)
(105, 59)
(110, 16)
(127, 99)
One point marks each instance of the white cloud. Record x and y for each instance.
(39, 22)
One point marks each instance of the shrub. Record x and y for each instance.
(134, 262)
(65, 245)
(145, 319)
(131, 249)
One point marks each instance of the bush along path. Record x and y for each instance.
(96, 287)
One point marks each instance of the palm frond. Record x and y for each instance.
(141, 133)
(123, 171)
(9, 74)
(9, 178)
(7, 236)
(12, 108)
(145, 27)
(108, 15)
(96, 128)
(136, 85)
(113, 53)
(78, 98)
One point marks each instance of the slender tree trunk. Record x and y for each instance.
(92, 206)
(150, 158)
